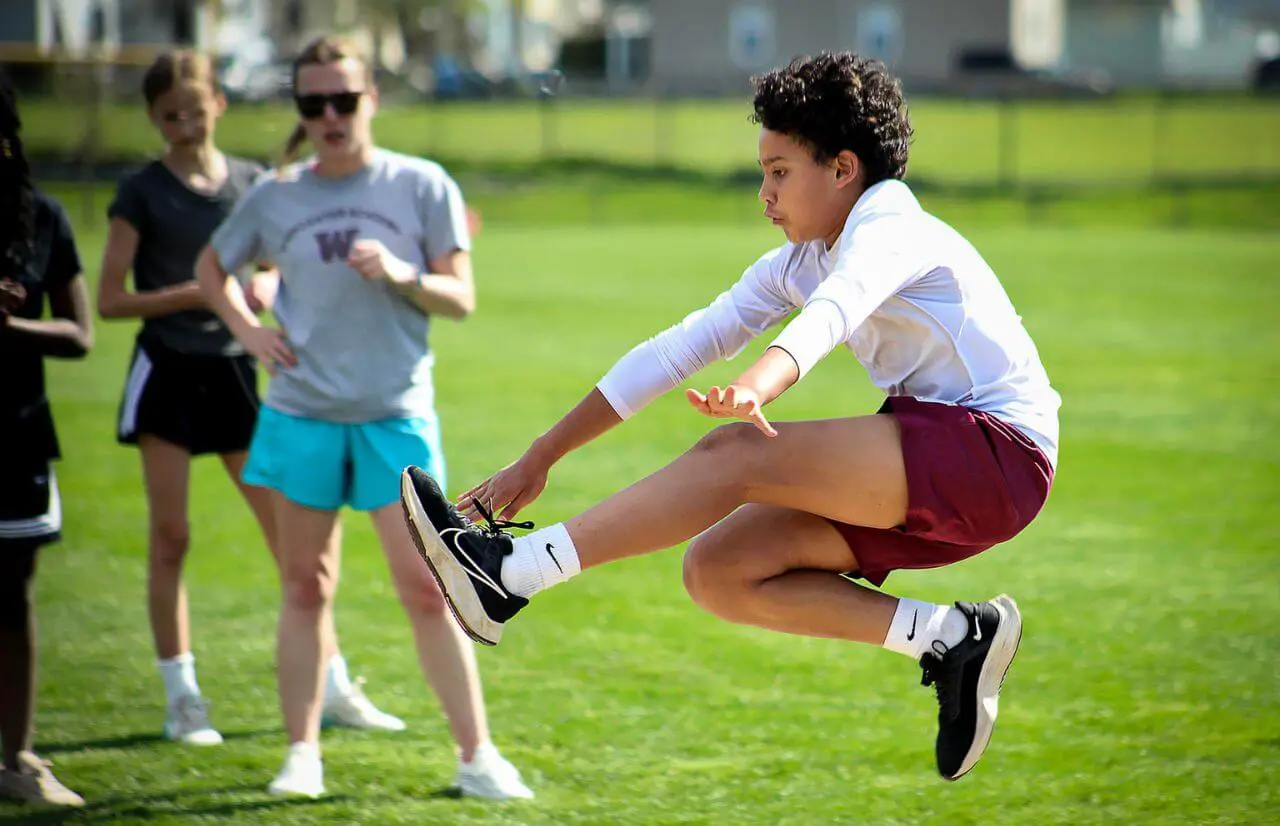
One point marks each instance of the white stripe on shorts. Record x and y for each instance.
(138, 375)
(50, 522)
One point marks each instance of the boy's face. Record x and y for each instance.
(807, 200)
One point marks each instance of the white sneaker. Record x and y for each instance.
(355, 710)
(302, 774)
(34, 783)
(188, 722)
(490, 775)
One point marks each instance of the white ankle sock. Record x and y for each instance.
(337, 681)
(540, 560)
(917, 625)
(179, 675)
(483, 753)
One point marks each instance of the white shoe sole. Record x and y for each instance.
(285, 790)
(999, 658)
(205, 737)
(456, 584)
(486, 792)
(329, 721)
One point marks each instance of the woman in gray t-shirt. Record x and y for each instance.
(370, 246)
(191, 388)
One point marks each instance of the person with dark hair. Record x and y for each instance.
(784, 517)
(191, 388)
(38, 263)
(371, 247)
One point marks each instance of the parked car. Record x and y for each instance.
(1266, 76)
(995, 73)
(455, 82)
(254, 73)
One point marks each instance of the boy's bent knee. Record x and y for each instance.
(711, 580)
(728, 439)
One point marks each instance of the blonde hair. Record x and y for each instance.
(320, 52)
(174, 67)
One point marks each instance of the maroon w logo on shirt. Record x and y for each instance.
(336, 244)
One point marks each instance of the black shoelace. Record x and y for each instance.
(945, 680)
(499, 527)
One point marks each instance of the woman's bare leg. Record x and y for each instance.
(310, 552)
(445, 654)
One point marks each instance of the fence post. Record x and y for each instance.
(1159, 132)
(434, 125)
(547, 119)
(1007, 142)
(1180, 210)
(92, 68)
(662, 128)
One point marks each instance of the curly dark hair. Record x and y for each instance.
(17, 196)
(839, 101)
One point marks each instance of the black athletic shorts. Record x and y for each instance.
(30, 509)
(207, 404)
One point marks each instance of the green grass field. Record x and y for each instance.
(1147, 690)
(1121, 141)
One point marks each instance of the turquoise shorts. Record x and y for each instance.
(325, 465)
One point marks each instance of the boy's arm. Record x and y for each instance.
(649, 370)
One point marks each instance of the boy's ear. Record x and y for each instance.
(846, 167)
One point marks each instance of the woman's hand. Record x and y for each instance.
(371, 258)
(270, 347)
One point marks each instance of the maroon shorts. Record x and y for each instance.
(973, 481)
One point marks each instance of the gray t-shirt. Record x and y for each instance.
(361, 346)
(174, 223)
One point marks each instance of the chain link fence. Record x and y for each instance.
(85, 122)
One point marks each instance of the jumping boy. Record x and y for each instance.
(960, 457)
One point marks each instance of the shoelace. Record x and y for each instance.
(499, 527)
(945, 681)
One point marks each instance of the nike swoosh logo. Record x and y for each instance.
(912, 634)
(551, 554)
(470, 566)
(977, 630)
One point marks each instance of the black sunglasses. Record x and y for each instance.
(312, 106)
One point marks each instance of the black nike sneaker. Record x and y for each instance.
(466, 560)
(968, 677)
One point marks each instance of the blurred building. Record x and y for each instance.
(962, 46)
(1209, 41)
(709, 46)
(114, 27)
(682, 47)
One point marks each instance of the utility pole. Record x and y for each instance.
(517, 37)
